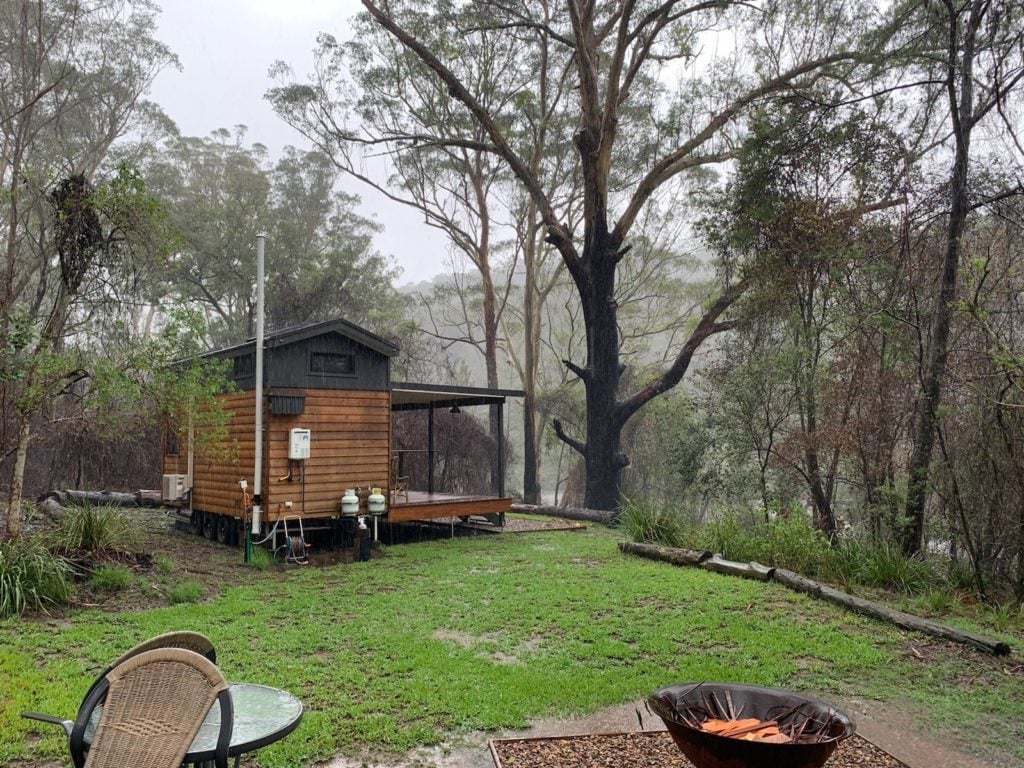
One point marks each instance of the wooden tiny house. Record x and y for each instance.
(332, 379)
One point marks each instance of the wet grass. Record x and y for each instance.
(491, 632)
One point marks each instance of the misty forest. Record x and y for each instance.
(746, 261)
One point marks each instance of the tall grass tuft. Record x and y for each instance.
(887, 567)
(652, 524)
(31, 576)
(111, 578)
(842, 563)
(1003, 616)
(786, 542)
(188, 591)
(261, 560)
(94, 530)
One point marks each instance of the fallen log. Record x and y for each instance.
(71, 498)
(569, 513)
(732, 568)
(94, 498)
(673, 555)
(146, 498)
(878, 611)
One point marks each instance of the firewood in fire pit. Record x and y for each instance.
(750, 729)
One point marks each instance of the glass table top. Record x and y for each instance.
(262, 715)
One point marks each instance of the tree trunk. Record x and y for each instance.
(531, 456)
(531, 337)
(13, 527)
(824, 517)
(604, 459)
(912, 534)
(568, 513)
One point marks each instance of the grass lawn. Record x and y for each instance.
(488, 632)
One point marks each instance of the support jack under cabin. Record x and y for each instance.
(327, 417)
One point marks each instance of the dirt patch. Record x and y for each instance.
(161, 558)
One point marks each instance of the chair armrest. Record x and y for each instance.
(65, 724)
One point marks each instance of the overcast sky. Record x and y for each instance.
(226, 48)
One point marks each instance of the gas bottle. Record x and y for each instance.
(350, 502)
(375, 502)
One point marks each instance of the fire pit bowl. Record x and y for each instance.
(683, 707)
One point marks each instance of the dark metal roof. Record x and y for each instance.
(409, 396)
(302, 332)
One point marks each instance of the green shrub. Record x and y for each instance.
(94, 530)
(186, 592)
(887, 567)
(164, 565)
(842, 562)
(110, 578)
(791, 542)
(31, 576)
(728, 537)
(961, 575)
(651, 524)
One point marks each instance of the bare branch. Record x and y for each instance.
(707, 326)
(582, 373)
(576, 445)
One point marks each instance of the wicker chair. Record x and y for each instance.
(190, 641)
(153, 706)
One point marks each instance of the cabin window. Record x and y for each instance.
(244, 366)
(332, 364)
(171, 449)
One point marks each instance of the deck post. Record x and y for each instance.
(501, 449)
(430, 449)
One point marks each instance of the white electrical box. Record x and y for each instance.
(174, 487)
(298, 444)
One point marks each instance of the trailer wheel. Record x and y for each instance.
(224, 524)
(209, 525)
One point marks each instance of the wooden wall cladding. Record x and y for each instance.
(349, 447)
(218, 468)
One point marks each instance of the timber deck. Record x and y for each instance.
(428, 506)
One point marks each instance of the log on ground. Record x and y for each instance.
(69, 498)
(569, 513)
(674, 555)
(899, 618)
(732, 568)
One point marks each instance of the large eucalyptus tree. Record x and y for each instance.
(634, 147)
(972, 53)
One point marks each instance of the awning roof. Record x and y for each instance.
(408, 396)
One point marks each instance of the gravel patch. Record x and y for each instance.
(650, 749)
